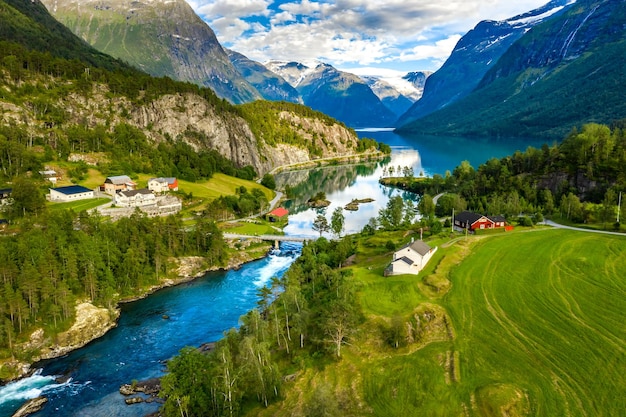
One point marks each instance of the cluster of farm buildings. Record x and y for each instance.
(124, 192)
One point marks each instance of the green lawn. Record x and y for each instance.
(545, 313)
(219, 185)
(80, 205)
(535, 327)
(260, 227)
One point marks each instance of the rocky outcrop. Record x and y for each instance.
(31, 407)
(91, 323)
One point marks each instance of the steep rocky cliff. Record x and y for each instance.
(190, 118)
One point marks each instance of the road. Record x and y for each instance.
(580, 229)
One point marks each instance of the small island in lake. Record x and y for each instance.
(318, 200)
(354, 204)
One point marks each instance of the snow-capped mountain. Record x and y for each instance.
(565, 72)
(339, 94)
(474, 55)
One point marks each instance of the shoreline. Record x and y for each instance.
(321, 162)
(26, 369)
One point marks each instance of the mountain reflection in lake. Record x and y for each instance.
(426, 155)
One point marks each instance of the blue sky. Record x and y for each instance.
(361, 36)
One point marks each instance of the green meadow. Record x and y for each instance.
(528, 323)
(80, 205)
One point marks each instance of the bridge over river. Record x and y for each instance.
(274, 238)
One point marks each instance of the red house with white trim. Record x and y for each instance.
(473, 221)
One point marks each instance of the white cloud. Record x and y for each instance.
(359, 32)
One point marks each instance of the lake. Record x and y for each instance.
(202, 310)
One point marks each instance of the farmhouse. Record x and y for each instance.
(135, 198)
(70, 193)
(118, 183)
(473, 221)
(162, 185)
(410, 259)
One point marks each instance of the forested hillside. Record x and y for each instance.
(561, 74)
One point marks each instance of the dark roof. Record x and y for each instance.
(498, 218)
(5, 192)
(405, 260)
(130, 193)
(467, 217)
(72, 189)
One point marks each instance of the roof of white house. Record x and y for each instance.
(419, 246)
(169, 180)
(119, 179)
(131, 193)
(72, 189)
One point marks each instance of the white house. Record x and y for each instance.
(162, 185)
(135, 198)
(70, 193)
(410, 259)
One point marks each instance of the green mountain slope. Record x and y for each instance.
(28, 23)
(560, 75)
(163, 38)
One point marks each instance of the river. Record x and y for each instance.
(200, 311)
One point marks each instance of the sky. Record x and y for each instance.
(365, 37)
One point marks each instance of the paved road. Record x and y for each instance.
(436, 198)
(561, 226)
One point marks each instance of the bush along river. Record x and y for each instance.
(86, 382)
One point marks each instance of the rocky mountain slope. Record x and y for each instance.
(161, 37)
(473, 56)
(339, 94)
(269, 84)
(393, 99)
(561, 74)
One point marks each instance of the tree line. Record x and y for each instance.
(311, 312)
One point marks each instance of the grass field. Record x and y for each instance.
(218, 185)
(545, 313)
(80, 205)
(529, 324)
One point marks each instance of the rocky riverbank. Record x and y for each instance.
(92, 322)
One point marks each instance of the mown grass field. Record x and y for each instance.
(536, 326)
(544, 314)
(219, 185)
(80, 205)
